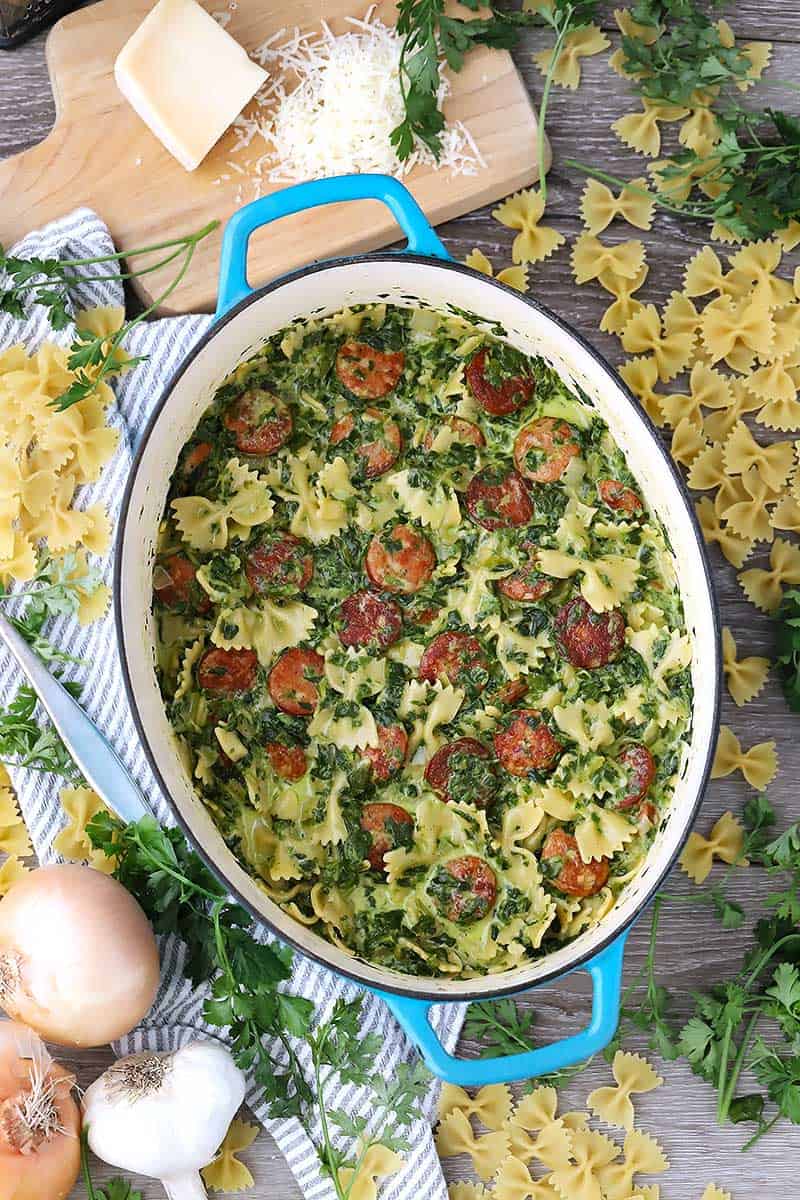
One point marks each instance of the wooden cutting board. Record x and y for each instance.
(101, 154)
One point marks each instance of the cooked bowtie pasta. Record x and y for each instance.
(421, 641)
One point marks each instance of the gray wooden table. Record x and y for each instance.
(693, 950)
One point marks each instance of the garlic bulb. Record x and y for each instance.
(165, 1115)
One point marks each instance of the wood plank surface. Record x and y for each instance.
(693, 949)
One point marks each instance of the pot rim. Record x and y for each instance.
(390, 984)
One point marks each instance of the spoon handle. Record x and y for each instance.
(97, 760)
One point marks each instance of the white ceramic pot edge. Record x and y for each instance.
(405, 279)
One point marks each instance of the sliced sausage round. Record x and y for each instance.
(191, 464)
(497, 499)
(379, 454)
(641, 772)
(259, 421)
(465, 889)
(463, 431)
(389, 827)
(287, 761)
(457, 659)
(366, 372)
(279, 561)
(526, 585)
(526, 744)
(462, 772)
(400, 559)
(293, 681)
(570, 874)
(496, 397)
(388, 757)
(589, 639)
(544, 448)
(369, 620)
(620, 498)
(510, 692)
(227, 671)
(174, 581)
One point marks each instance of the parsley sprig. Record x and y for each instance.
(116, 1188)
(55, 590)
(686, 55)
(48, 282)
(181, 896)
(788, 646)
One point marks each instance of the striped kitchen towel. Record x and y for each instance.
(176, 1015)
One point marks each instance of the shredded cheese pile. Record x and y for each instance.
(332, 103)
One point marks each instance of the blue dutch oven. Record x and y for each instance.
(421, 274)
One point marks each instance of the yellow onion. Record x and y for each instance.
(78, 959)
(39, 1120)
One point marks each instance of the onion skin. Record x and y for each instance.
(78, 959)
(48, 1172)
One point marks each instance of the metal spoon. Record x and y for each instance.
(96, 758)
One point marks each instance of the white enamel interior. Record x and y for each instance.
(407, 281)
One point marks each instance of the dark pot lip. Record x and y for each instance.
(390, 985)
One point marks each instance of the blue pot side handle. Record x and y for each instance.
(233, 285)
(605, 970)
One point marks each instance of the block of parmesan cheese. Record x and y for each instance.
(186, 78)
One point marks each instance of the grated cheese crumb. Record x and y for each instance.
(332, 102)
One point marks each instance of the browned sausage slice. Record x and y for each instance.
(457, 659)
(388, 757)
(366, 372)
(227, 671)
(461, 771)
(369, 620)
(543, 449)
(589, 639)
(259, 421)
(497, 499)
(496, 397)
(571, 874)
(464, 889)
(390, 826)
(279, 561)
(400, 559)
(526, 744)
(382, 451)
(293, 681)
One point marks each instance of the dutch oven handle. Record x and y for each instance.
(605, 970)
(233, 285)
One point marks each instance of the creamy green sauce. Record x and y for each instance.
(303, 835)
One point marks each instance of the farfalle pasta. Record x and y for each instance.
(644, 335)
(634, 1076)
(640, 130)
(515, 1182)
(590, 258)
(642, 1155)
(46, 455)
(725, 842)
(81, 805)
(516, 277)
(578, 44)
(745, 676)
(376, 1163)
(759, 764)
(524, 211)
(227, 1173)
(764, 588)
(591, 1151)
(599, 206)
(625, 304)
(491, 1104)
(456, 1136)
(358, 641)
(641, 376)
